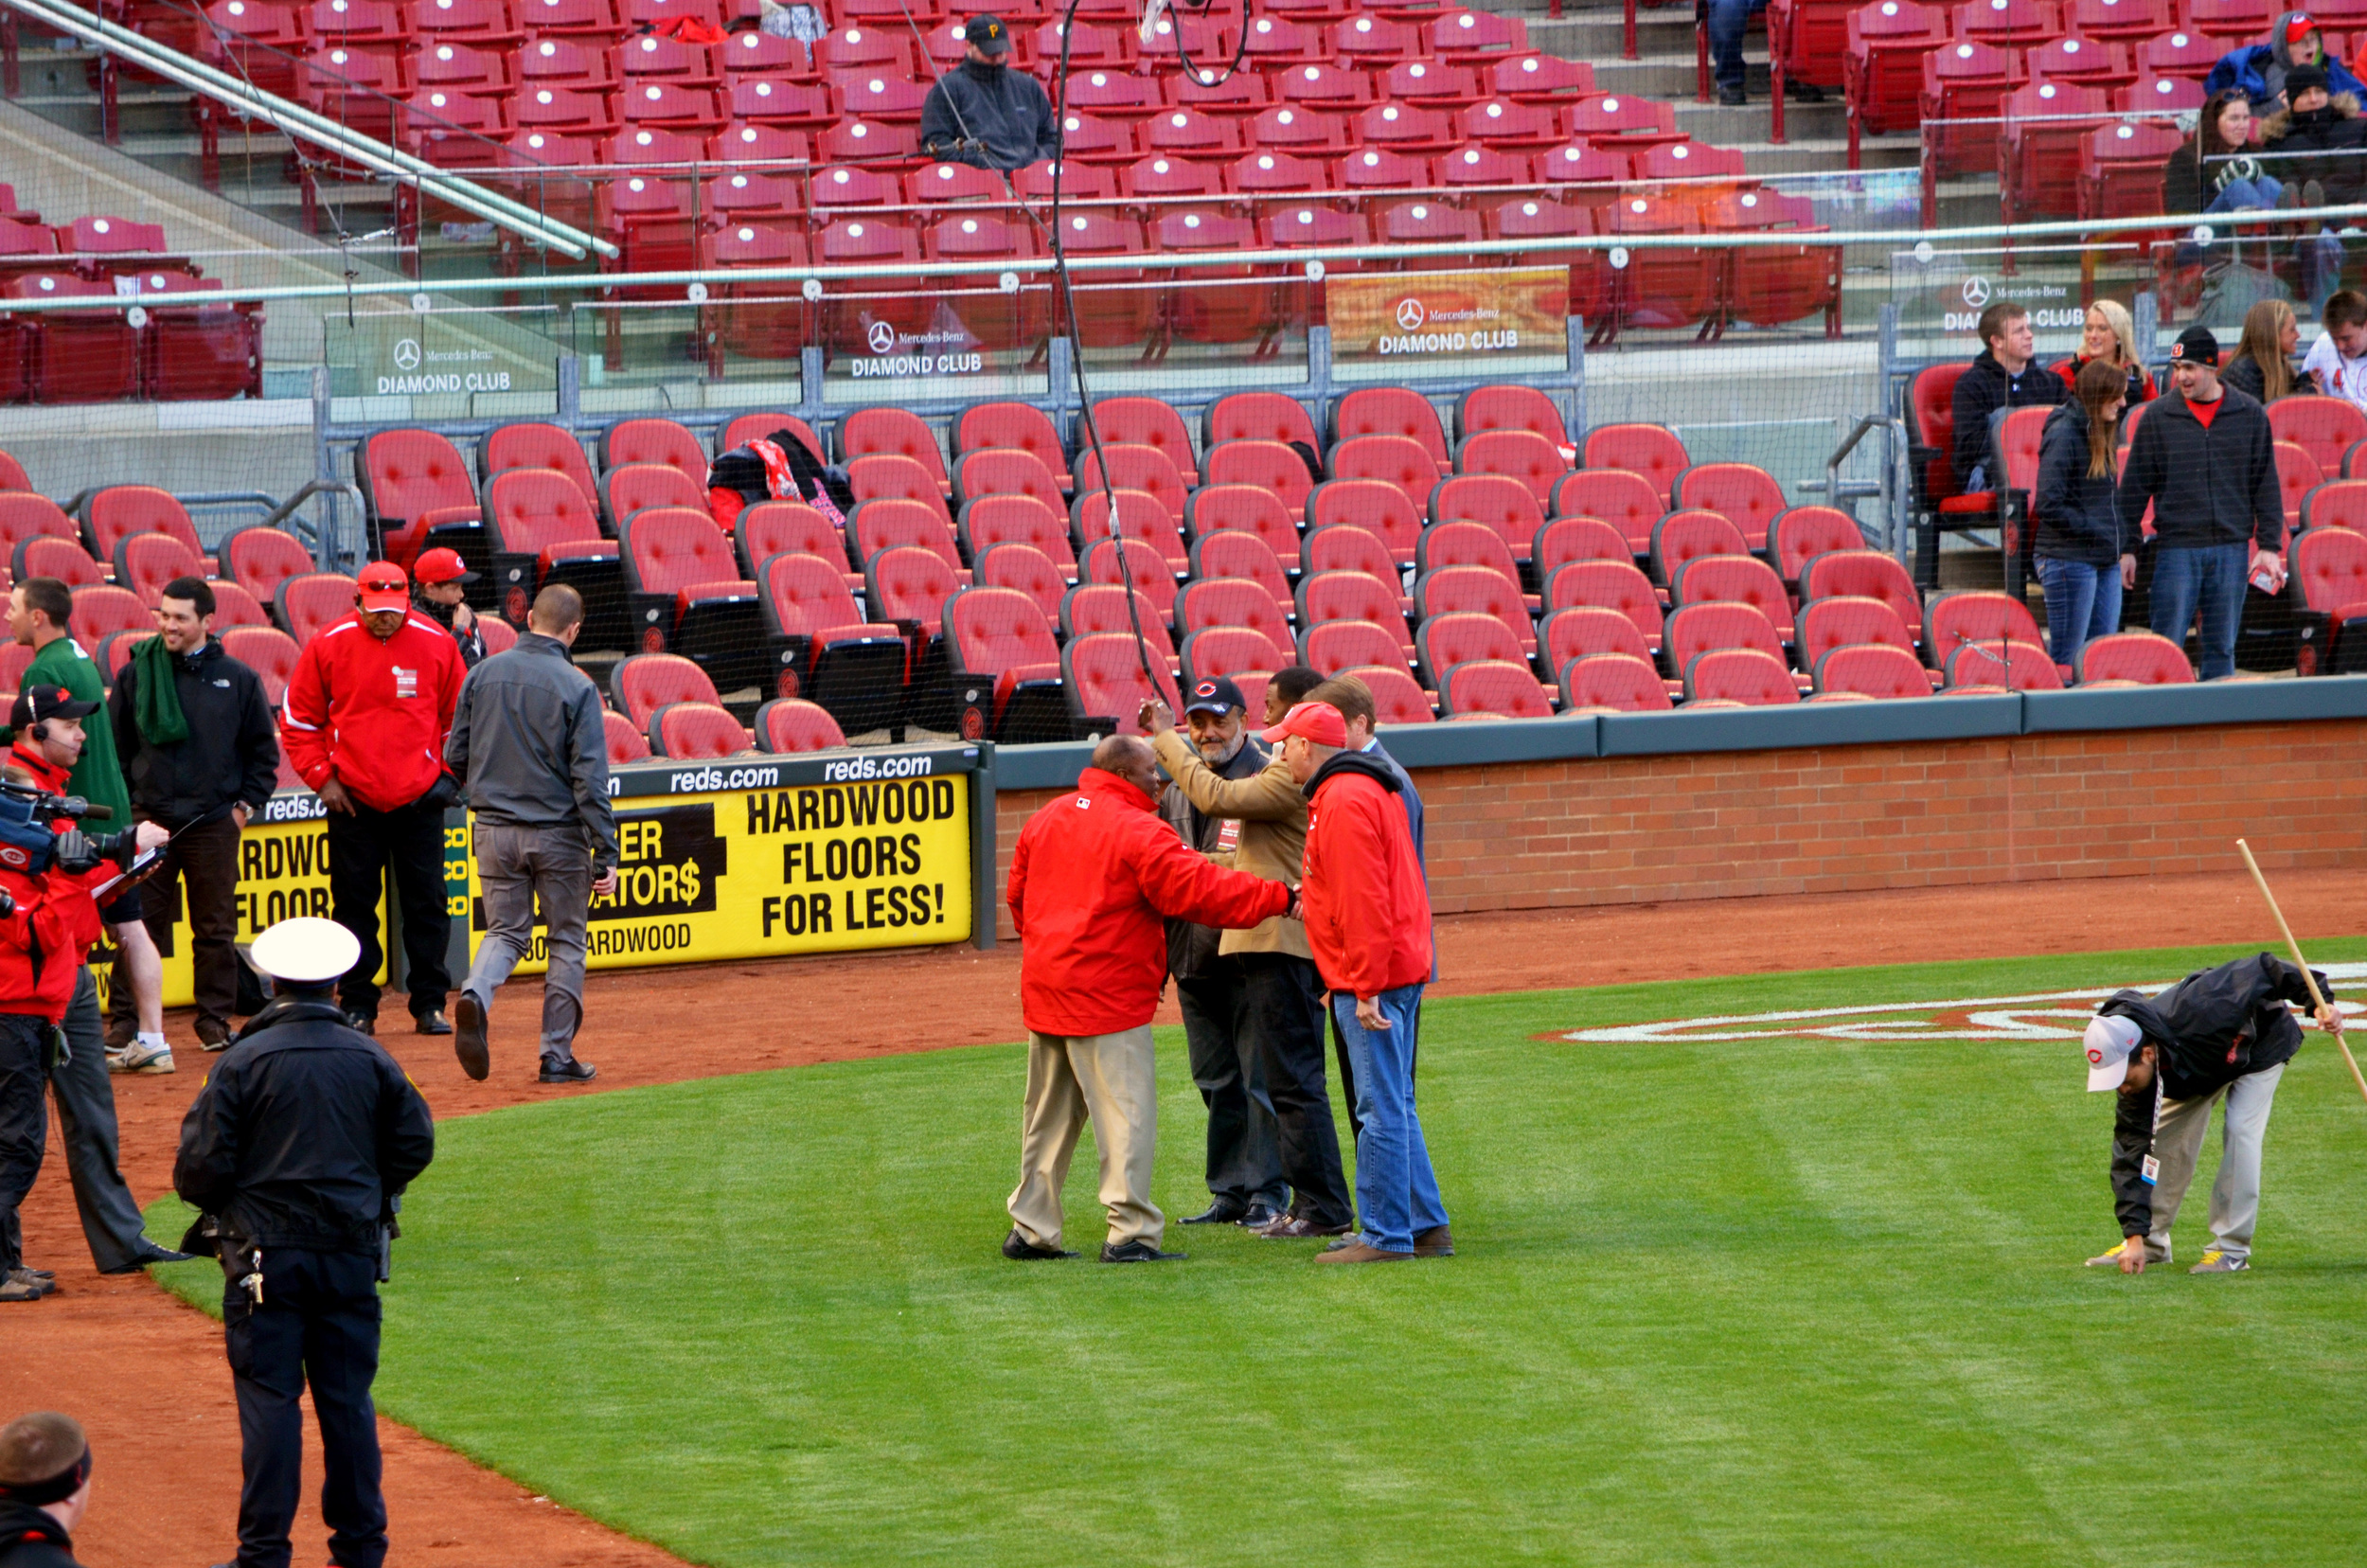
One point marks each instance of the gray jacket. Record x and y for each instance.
(1004, 108)
(529, 744)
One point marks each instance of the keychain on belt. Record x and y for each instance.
(253, 1284)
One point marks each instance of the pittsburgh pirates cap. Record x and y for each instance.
(988, 33)
(307, 951)
(2109, 1045)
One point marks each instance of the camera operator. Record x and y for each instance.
(47, 869)
(296, 1153)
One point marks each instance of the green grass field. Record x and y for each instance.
(1809, 1301)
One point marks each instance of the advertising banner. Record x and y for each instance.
(1448, 323)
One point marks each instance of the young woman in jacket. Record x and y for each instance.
(2082, 563)
(2112, 337)
(2263, 366)
(2216, 171)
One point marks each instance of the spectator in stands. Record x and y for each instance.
(368, 709)
(2336, 362)
(529, 744)
(40, 609)
(1728, 20)
(1368, 922)
(45, 1487)
(2315, 139)
(985, 113)
(202, 757)
(1286, 688)
(2215, 170)
(2109, 336)
(2263, 366)
(443, 598)
(2203, 458)
(1276, 989)
(2083, 559)
(1094, 877)
(2258, 70)
(2001, 376)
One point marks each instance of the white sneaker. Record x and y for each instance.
(138, 1058)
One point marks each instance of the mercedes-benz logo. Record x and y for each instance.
(882, 338)
(1410, 315)
(1976, 291)
(407, 354)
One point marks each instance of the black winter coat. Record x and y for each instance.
(2078, 515)
(2207, 487)
(1192, 949)
(2325, 145)
(303, 1131)
(1004, 108)
(30, 1539)
(2191, 184)
(1981, 391)
(2219, 1025)
(232, 752)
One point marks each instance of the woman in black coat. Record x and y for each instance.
(2083, 563)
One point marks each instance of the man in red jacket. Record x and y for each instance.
(367, 711)
(1367, 913)
(1096, 878)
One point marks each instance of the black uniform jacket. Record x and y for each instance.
(1004, 108)
(304, 1129)
(30, 1539)
(2219, 1024)
(232, 752)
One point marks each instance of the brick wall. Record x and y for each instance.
(1722, 825)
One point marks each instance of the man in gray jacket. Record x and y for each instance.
(984, 112)
(528, 741)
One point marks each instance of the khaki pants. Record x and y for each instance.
(2178, 1127)
(1113, 1079)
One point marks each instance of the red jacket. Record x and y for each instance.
(373, 714)
(1097, 877)
(1366, 906)
(41, 944)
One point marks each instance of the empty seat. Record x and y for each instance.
(1497, 688)
(303, 605)
(1151, 422)
(1258, 417)
(1521, 454)
(1138, 516)
(1269, 465)
(908, 586)
(1239, 555)
(1392, 459)
(1694, 628)
(1447, 640)
(1352, 596)
(1391, 411)
(260, 559)
(889, 477)
(235, 607)
(119, 511)
(1625, 500)
(1006, 471)
(1223, 508)
(1584, 631)
(1344, 547)
(1027, 570)
(1568, 539)
(1801, 532)
(1132, 467)
(1975, 615)
(1748, 677)
(900, 432)
(1500, 502)
(414, 483)
(1868, 573)
(1139, 564)
(1736, 580)
(1871, 670)
(43, 556)
(1614, 683)
(625, 744)
(820, 646)
(1377, 505)
(2330, 566)
(790, 724)
(683, 592)
(1091, 608)
(989, 520)
(2024, 667)
(1239, 604)
(1447, 544)
(661, 441)
(1105, 685)
(2138, 656)
(1331, 647)
(1011, 424)
(1743, 494)
(114, 651)
(696, 731)
(784, 528)
(641, 685)
(536, 446)
(889, 525)
(1607, 585)
(1652, 450)
(268, 651)
(2326, 428)
(637, 486)
(748, 427)
(145, 563)
(1687, 536)
(1848, 620)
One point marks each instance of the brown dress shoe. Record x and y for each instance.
(1433, 1242)
(1357, 1251)
(1291, 1227)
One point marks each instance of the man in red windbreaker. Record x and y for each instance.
(1367, 912)
(367, 711)
(1096, 878)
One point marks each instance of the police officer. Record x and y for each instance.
(296, 1152)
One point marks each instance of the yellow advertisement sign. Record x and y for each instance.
(1487, 314)
(742, 874)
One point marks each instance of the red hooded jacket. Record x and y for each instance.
(1096, 878)
(373, 714)
(1366, 906)
(41, 944)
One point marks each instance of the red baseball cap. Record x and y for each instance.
(385, 587)
(2301, 26)
(441, 566)
(1318, 722)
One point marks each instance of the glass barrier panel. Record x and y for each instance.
(1482, 322)
(392, 363)
(1211, 327)
(972, 336)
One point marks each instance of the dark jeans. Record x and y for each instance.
(1243, 1166)
(86, 1115)
(1729, 20)
(318, 1323)
(1282, 1014)
(362, 850)
(2210, 578)
(206, 860)
(24, 1123)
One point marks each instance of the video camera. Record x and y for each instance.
(27, 845)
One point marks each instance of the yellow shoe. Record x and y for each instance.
(2112, 1259)
(2215, 1262)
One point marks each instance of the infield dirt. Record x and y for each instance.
(145, 1373)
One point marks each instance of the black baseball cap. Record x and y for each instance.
(988, 33)
(37, 703)
(1218, 696)
(2196, 346)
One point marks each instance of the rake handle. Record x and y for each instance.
(2298, 962)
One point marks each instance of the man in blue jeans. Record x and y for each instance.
(1728, 20)
(1367, 916)
(2204, 459)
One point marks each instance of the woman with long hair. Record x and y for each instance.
(2076, 508)
(2263, 366)
(2111, 337)
(2214, 172)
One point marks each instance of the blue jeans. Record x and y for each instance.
(2238, 195)
(2083, 603)
(1728, 20)
(2210, 578)
(1397, 1192)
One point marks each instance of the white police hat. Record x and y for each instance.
(306, 952)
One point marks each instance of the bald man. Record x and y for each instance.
(1096, 875)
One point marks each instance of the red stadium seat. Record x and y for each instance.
(1233, 654)
(1498, 503)
(1344, 547)
(659, 441)
(234, 607)
(1479, 590)
(15, 657)
(2330, 566)
(1398, 699)
(1467, 544)
(784, 528)
(696, 731)
(1397, 460)
(1693, 629)
(1568, 539)
(1687, 536)
(1736, 580)
(1241, 604)
(1133, 468)
(1258, 417)
(2136, 657)
(989, 520)
(260, 559)
(1151, 422)
(70, 357)
(12, 473)
(1379, 506)
(1494, 688)
(641, 685)
(1882, 63)
(1867, 574)
(1746, 677)
(2119, 174)
(908, 586)
(1011, 424)
(1742, 494)
(1104, 683)
(1005, 471)
(1139, 517)
(876, 526)
(1652, 450)
(1522, 454)
(1235, 554)
(1391, 411)
(268, 651)
(1095, 607)
(1614, 683)
(44, 555)
(1221, 507)
(683, 592)
(1026, 569)
(1268, 466)
(748, 427)
(1583, 630)
(790, 724)
(1509, 408)
(1871, 670)
(1952, 620)
(2336, 504)
(1447, 640)
(303, 605)
(120, 511)
(1142, 565)
(1607, 585)
(1846, 620)
(536, 446)
(2026, 666)
(820, 647)
(1626, 500)
(625, 744)
(887, 478)
(1799, 534)
(414, 483)
(114, 651)
(1352, 596)
(2326, 428)
(638, 486)
(869, 432)
(145, 563)
(1331, 647)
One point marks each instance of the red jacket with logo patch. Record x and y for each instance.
(373, 715)
(41, 944)
(1366, 906)
(1096, 878)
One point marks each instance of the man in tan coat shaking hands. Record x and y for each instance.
(1281, 997)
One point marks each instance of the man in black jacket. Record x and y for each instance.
(985, 113)
(2003, 375)
(297, 1151)
(201, 755)
(2204, 459)
(2223, 1033)
(45, 1486)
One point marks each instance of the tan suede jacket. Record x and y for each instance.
(1272, 814)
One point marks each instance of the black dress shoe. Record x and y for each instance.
(1219, 1213)
(433, 1021)
(1806, 92)
(1731, 97)
(1138, 1250)
(570, 1071)
(363, 1023)
(1259, 1213)
(148, 1256)
(469, 1042)
(1020, 1249)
